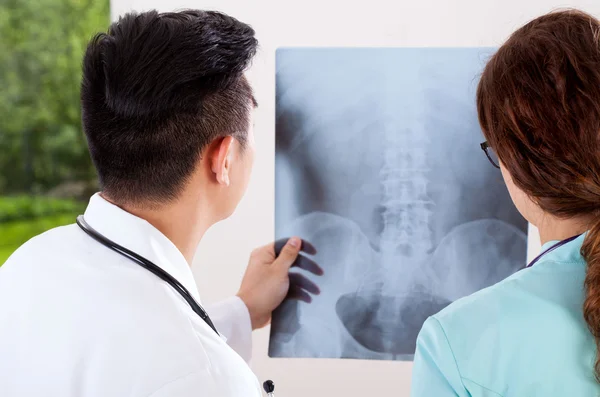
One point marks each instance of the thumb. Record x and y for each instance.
(289, 253)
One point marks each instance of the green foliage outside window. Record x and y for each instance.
(46, 176)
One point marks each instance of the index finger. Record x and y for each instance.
(306, 246)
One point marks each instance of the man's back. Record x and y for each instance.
(79, 320)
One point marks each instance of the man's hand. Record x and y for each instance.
(267, 280)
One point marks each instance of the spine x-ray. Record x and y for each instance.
(379, 167)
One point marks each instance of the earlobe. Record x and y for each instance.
(226, 170)
(225, 177)
(222, 160)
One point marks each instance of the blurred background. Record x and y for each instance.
(46, 176)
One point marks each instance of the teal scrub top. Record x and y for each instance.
(524, 336)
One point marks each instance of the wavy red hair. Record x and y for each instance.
(539, 108)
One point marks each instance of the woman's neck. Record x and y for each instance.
(554, 229)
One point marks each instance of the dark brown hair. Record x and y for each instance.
(539, 107)
(156, 90)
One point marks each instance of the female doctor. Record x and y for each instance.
(109, 306)
(535, 333)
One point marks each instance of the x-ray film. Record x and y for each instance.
(379, 167)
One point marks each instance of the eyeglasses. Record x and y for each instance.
(491, 155)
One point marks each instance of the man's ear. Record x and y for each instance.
(220, 159)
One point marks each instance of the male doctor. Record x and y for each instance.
(167, 113)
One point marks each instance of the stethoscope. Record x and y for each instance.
(148, 265)
(555, 246)
(269, 386)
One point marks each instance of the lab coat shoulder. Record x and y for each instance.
(38, 246)
(232, 320)
(29, 257)
(188, 385)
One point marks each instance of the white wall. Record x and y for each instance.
(223, 253)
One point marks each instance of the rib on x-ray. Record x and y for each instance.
(378, 165)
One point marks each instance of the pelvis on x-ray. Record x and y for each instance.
(378, 166)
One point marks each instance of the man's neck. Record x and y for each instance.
(181, 222)
(556, 229)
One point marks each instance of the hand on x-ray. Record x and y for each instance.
(268, 281)
(299, 284)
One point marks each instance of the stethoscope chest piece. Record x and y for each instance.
(269, 387)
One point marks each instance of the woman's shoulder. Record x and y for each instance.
(527, 320)
(484, 304)
(528, 295)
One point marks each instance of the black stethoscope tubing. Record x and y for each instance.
(555, 246)
(148, 265)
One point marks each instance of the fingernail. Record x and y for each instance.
(295, 242)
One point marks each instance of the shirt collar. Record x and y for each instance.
(139, 236)
(569, 252)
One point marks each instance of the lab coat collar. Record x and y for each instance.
(139, 236)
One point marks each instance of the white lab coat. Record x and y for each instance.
(79, 320)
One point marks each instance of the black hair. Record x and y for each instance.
(157, 88)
